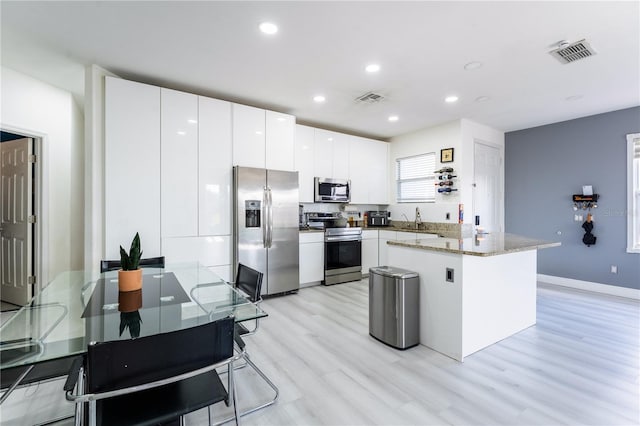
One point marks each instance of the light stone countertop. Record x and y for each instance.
(481, 245)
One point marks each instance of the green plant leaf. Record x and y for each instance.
(131, 261)
(132, 321)
(135, 253)
(124, 259)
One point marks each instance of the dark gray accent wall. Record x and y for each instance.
(545, 165)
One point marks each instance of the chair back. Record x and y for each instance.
(123, 363)
(249, 281)
(150, 262)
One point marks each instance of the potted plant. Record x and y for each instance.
(130, 276)
(128, 304)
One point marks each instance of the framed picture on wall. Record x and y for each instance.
(446, 155)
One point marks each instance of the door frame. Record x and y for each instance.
(40, 204)
(500, 149)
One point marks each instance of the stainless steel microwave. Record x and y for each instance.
(332, 190)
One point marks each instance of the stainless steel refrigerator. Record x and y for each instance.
(266, 226)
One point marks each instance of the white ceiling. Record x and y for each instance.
(215, 49)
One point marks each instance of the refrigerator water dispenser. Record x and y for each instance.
(252, 213)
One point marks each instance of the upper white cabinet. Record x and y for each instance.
(132, 166)
(359, 170)
(248, 136)
(214, 167)
(279, 143)
(379, 172)
(331, 153)
(323, 153)
(179, 163)
(340, 156)
(263, 139)
(304, 162)
(368, 171)
(327, 154)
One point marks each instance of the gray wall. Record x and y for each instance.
(545, 165)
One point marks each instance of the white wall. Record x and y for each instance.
(459, 135)
(32, 107)
(94, 173)
(433, 139)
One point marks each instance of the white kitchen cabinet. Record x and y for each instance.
(304, 162)
(263, 139)
(323, 153)
(208, 251)
(179, 163)
(368, 171)
(132, 166)
(369, 250)
(311, 257)
(379, 178)
(383, 237)
(214, 167)
(340, 156)
(248, 136)
(331, 152)
(359, 170)
(280, 136)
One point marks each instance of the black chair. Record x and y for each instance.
(155, 379)
(249, 281)
(150, 262)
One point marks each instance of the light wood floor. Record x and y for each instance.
(578, 366)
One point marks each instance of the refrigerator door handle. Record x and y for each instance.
(264, 219)
(269, 217)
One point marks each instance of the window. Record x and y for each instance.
(633, 186)
(415, 178)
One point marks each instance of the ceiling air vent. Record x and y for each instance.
(571, 52)
(369, 98)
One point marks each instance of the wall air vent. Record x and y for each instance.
(571, 52)
(369, 98)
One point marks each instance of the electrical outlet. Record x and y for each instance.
(614, 269)
(449, 275)
(577, 218)
(448, 216)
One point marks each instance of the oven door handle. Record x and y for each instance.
(342, 238)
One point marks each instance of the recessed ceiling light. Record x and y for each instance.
(482, 98)
(319, 98)
(393, 118)
(451, 99)
(329, 139)
(268, 28)
(472, 65)
(372, 68)
(573, 98)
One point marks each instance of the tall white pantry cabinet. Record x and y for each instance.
(168, 174)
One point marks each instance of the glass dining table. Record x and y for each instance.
(75, 309)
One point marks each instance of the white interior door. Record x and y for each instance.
(15, 229)
(488, 187)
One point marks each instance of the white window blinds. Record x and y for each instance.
(415, 178)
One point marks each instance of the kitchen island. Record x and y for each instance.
(473, 291)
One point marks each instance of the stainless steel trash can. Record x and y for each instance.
(394, 306)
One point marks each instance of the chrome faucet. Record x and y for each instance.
(406, 219)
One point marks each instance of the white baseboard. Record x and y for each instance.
(612, 290)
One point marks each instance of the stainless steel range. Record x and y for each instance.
(342, 255)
